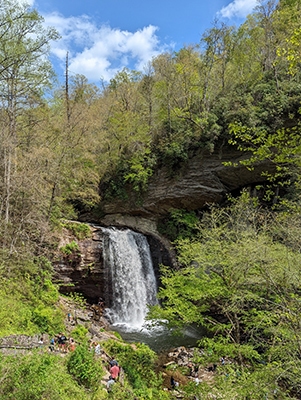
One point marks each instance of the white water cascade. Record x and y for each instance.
(131, 282)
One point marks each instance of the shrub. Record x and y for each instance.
(70, 248)
(79, 230)
(37, 376)
(47, 319)
(137, 363)
(79, 333)
(179, 224)
(83, 366)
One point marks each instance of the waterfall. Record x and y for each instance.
(131, 282)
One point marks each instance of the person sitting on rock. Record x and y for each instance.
(41, 342)
(97, 348)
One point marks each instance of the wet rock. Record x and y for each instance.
(86, 273)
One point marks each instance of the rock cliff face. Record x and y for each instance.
(83, 271)
(203, 179)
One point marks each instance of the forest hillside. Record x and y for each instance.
(68, 150)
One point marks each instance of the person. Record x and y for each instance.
(41, 342)
(97, 348)
(51, 345)
(110, 383)
(114, 371)
(62, 342)
(101, 303)
(212, 367)
(72, 344)
(113, 362)
(173, 383)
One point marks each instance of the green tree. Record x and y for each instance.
(24, 74)
(241, 285)
(273, 131)
(83, 366)
(73, 143)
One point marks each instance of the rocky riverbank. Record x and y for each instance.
(178, 363)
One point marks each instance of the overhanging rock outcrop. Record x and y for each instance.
(203, 179)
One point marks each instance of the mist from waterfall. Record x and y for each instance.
(131, 281)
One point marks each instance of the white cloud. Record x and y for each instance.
(238, 8)
(99, 52)
(29, 2)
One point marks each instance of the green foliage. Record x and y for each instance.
(117, 334)
(83, 366)
(139, 172)
(272, 130)
(112, 185)
(70, 248)
(243, 286)
(37, 376)
(172, 154)
(79, 230)
(79, 334)
(230, 383)
(179, 224)
(131, 173)
(239, 272)
(47, 319)
(138, 363)
(78, 299)
(28, 298)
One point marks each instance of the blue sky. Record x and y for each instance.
(103, 36)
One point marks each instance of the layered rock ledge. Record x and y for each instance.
(204, 179)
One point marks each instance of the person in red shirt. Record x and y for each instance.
(114, 371)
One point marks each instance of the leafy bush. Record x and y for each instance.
(47, 319)
(138, 364)
(70, 248)
(83, 366)
(79, 333)
(244, 287)
(78, 299)
(179, 224)
(27, 300)
(79, 230)
(37, 376)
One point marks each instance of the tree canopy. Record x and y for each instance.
(64, 147)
